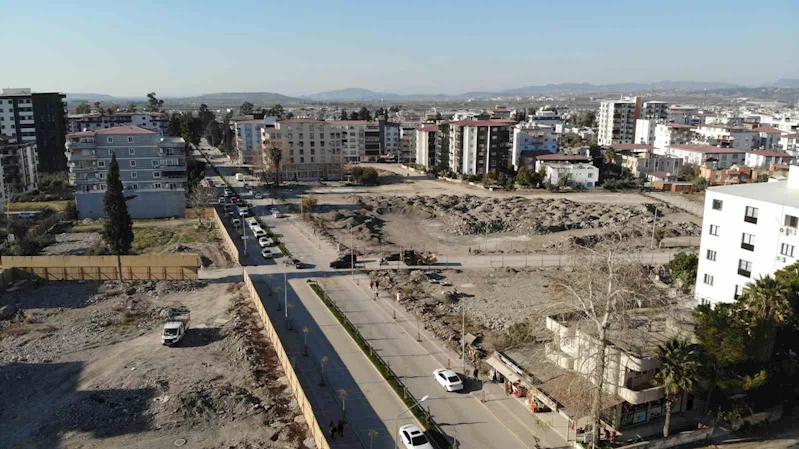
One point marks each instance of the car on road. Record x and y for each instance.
(296, 262)
(448, 379)
(265, 241)
(251, 221)
(266, 253)
(221, 200)
(236, 222)
(259, 196)
(234, 200)
(413, 438)
(228, 192)
(245, 185)
(345, 261)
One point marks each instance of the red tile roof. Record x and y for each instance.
(563, 157)
(632, 146)
(300, 120)
(428, 129)
(348, 122)
(768, 130)
(658, 174)
(792, 136)
(680, 126)
(706, 149)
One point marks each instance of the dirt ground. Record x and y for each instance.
(150, 237)
(82, 365)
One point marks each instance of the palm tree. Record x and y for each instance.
(275, 155)
(769, 303)
(678, 374)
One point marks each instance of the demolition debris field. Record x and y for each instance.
(82, 365)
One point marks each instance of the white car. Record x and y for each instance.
(258, 232)
(448, 379)
(413, 438)
(236, 222)
(252, 222)
(267, 253)
(265, 241)
(258, 196)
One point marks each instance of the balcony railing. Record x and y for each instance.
(744, 273)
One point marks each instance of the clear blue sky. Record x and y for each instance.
(180, 47)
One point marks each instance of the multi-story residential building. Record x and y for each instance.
(682, 114)
(152, 170)
(426, 146)
(668, 134)
(407, 143)
(748, 231)
(480, 146)
(715, 157)
(248, 138)
(617, 120)
(788, 124)
(738, 137)
(36, 117)
(769, 137)
(764, 158)
(581, 174)
(156, 121)
(312, 149)
(371, 143)
(654, 110)
(18, 168)
(641, 163)
(645, 131)
(500, 113)
(545, 117)
(353, 138)
(790, 143)
(534, 138)
(390, 143)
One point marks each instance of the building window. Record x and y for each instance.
(714, 230)
(130, 139)
(156, 164)
(791, 221)
(109, 140)
(133, 175)
(132, 164)
(751, 215)
(717, 204)
(786, 250)
(739, 290)
(110, 151)
(748, 242)
(744, 268)
(711, 255)
(157, 185)
(131, 151)
(101, 175)
(101, 163)
(708, 279)
(156, 174)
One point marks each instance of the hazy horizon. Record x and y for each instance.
(190, 48)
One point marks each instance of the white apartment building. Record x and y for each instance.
(788, 124)
(790, 143)
(545, 117)
(764, 158)
(353, 140)
(18, 169)
(716, 157)
(748, 231)
(641, 164)
(769, 137)
(532, 137)
(645, 131)
(617, 120)
(581, 174)
(155, 121)
(390, 141)
(426, 146)
(312, 149)
(248, 138)
(152, 169)
(668, 134)
(654, 110)
(735, 136)
(407, 143)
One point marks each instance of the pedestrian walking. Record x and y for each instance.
(470, 250)
(371, 285)
(377, 285)
(332, 430)
(376, 295)
(341, 429)
(475, 372)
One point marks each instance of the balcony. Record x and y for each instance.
(641, 396)
(745, 273)
(750, 219)
(81, 156)
(747, 246)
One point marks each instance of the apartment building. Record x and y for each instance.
(641, 160)
(18, 168)
(353, 138)
(426, 146)
(36, 117)
(654, 110)
(546, 117)
(152, 169)
(685, 115)
(371, 143)
(407, 143)
(480, 146)
(715, 157)
(390, 142)
(738, 137)
(748, 231)
(617, 120)
(248, 138)
(156, 121)
(533, 138)
(769, 137)
(790, 143)
(668, 134)
(764, 158)
(580, 174)
(645, 131)
(312, 149)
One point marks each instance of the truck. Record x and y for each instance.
(413, 258)
(344, 261)
(176, 327)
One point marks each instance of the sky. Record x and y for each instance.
(181, 48)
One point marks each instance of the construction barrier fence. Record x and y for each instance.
(166, 267)
(229, 243)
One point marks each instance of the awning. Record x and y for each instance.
(503, 369)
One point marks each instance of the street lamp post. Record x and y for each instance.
(285, 291)
(396, 439)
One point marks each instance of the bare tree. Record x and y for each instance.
(605, 296)
(199, 199)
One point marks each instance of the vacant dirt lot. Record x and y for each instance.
(82, 365)
(461, 224)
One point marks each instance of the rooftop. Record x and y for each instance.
(706, 149)
(428, 129)
(680, 126)
(632, 146)
(483, 123)
(114, 131)
(770, 192)
(768, 130)
(771, 153)
(563, 157)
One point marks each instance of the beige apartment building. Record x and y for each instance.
(312, 149)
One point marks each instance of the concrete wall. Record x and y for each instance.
(229, 242)
(146, 204)
(675, 440)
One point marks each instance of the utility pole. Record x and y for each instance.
(285, 291)
(463, 339)
(654, 222)
(352, 254)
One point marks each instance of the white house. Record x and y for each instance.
(668, 134)
(580, 174)
(790, 143)
(748, 231)
(718, 157)
(532, 137)
(763, 158)
(735, 136)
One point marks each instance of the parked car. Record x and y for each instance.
(413, 438)
(266, 253)
(234, 200)
(236, 222)
(296, 262)
(258, 196)
(448, 379)
(265, 241)
(258, 232)
(251, 221)
(221, 200)
(345, 261)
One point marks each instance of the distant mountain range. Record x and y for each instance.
(354, 94)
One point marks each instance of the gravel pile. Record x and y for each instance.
(73, 244)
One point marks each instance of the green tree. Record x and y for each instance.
(132, 107)
(175, 127)
(246, 108)
(195, 172)
(275, 156)
(191, 128)
(658, 235)
(153, 103)
(206, 115)
(344, 115)
(213, 133)
(683, 266)
(523, 177)
(117, 225)
(98, 107)
(276, 111)
(768, 302)
(84, 108)
(354, 115)
(308, 204)
(438, 117)
(364, 114)
(679, 372)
